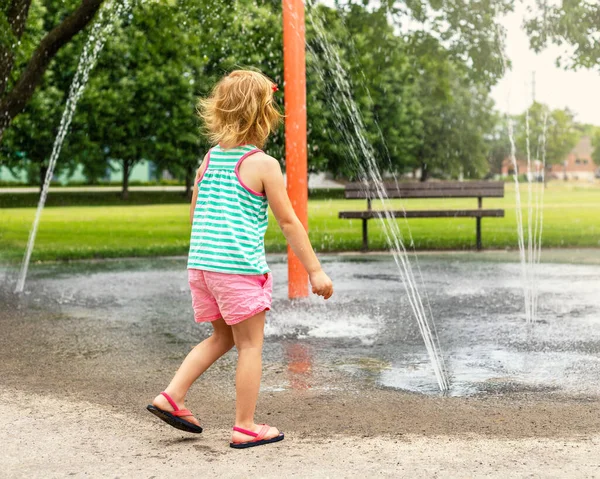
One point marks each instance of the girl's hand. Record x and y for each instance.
(321, 284)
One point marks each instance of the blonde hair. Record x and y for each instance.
(240, 110)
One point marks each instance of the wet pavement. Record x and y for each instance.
(365, 337)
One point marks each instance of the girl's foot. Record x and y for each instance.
(238, 437)
(161, 402)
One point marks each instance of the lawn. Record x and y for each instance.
(571, 219)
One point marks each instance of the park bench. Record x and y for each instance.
(445, 189)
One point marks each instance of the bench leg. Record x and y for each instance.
(479, 245)
(365, 232)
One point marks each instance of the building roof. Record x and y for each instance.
(584, 148)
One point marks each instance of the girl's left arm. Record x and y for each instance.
(292, 228)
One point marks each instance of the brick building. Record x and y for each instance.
(536, 168)
(578, 164)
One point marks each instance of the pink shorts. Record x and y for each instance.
(233, 297)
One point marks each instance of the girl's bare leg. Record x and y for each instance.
(196, 362)
(248, 336)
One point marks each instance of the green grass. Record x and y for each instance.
(571, 219)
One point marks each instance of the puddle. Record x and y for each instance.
(366, 334)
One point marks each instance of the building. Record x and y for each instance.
(535, 168)
(143, 171)
(578, 164)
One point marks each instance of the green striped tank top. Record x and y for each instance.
(230, 219)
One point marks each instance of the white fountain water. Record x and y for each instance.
(518, 211)
(364, 157)
(100, 30)
(539, 219)
(530, 247)
(530, 252)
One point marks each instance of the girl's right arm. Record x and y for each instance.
(194, 199)
(292, 228)
(199, 173)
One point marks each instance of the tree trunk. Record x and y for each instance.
(126, 173)
(15, 101)
(424, 172)
(189, 179)
(43, 172)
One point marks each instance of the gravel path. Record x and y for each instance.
(51, 437)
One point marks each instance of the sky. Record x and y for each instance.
(577, 90)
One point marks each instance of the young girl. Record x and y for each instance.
(229, 277)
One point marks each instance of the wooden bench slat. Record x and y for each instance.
(370, 214)
(448, 185)
(442, 193)
(446, 189)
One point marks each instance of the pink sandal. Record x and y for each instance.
(174, 417)
(258, 437)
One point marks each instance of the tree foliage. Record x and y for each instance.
(376, 65)
(455, 114)
(423, 95)
(139, 103)
(574, 24)
(469, 29)
(28, 142)
(419, 105)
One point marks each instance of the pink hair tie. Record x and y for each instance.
(275, 87)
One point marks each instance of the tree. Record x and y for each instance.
(455, 115)
(560, 134)
(596, 145)
(379, 72)
(573, 22)
(417, 100)
(28, 142)
(140, 100)
(139, 104)
(19, 79)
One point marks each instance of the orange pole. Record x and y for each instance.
(294, 78)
